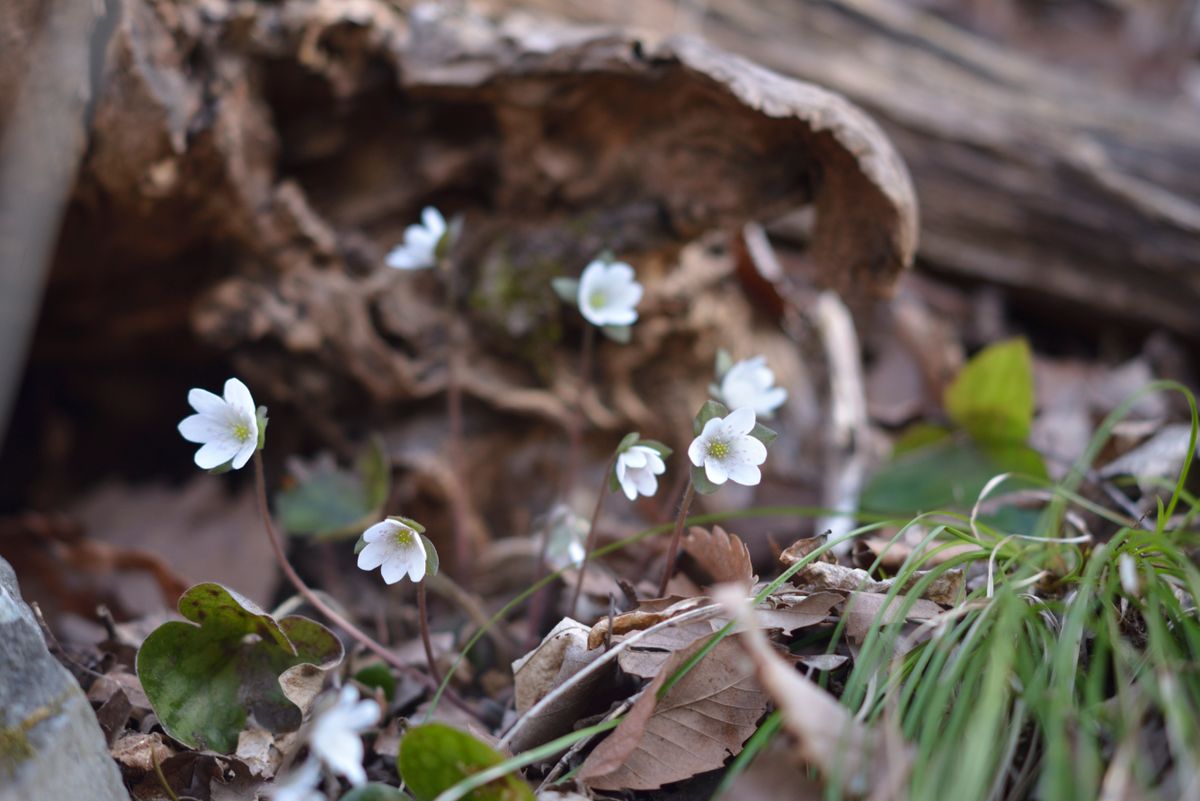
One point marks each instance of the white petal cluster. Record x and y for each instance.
(638, 469)
(226, 428)
(335, 734)
(300, 784)
(395, 547)
(726, 450)
(609, 293)
(419, 249)
(751, 384)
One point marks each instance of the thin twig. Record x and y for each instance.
(676, 536)
(423, 615)
(590, 545)
(315, 600)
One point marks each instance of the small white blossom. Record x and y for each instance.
(335, 734)
(300, 784)
(726, 450)
(226, 427)
(608, 293)
(750, 383)
(420, 246)
(396, 547)
(565, 532)
(637, 471)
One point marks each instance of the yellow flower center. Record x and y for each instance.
(241, 432)
(404, 537)
(718, 449)
(598, 299)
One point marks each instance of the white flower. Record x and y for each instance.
(726, 450)
(749, 384)
(637, 471)
(397, 548)
(227, 427)
(1128, 573)
(300, 784)
(334, 736)
(565, 532)
(608, 293)
(419, 249)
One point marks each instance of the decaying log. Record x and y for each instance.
(1081, 194)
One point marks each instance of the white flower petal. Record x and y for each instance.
(740, 421)
(396, 566)
(745, 474)
(237, 395)
(656, 463)
(401, 259)
(203, 428)
(434, 222)
(635, 456)
(216, 453)
(373, 555)
(416, 567)
(712, 428)
(382, 529)
(697, 450)
(205, 402)
(715, 471)
(617, 316)
(245, 452)
(629, 487)
(747, 450)
(771, 400)
(342, 751)
(647, 484)
(300, 784)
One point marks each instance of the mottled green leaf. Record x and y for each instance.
(378, 676)
(992, 398)
(434, 757)
(375, 792)
(330, 503)
(205, 677)
(708, 411)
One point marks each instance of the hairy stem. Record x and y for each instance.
(676, 536)
(423, 613)
(306, 592)
(592, 534)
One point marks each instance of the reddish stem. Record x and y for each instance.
(425, 639)
(676, 537)
(592, 534)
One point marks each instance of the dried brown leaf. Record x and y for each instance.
(945, 589)
(866, 610)
(802, 548)
(562, 653)
(701, 721)
(827, 735)
(722, 555)
(650, 613)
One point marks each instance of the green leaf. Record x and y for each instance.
(918, 435)
(763, 434)
(431, 555)
(708, 411)
(992, 398)
(375, 792)
(724, 361)
(434, 757)
(701, 483)
(331, 503)
(628, 441)
(204, 680)
(378, 676)
(566, 288)
(947, 475)
(260, 415)
(621, 334)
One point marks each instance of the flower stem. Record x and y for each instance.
(425, 639)
(592, 534)
(325, 609)
(575, 433)
(673, 551)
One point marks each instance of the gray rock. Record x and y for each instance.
(51, 746)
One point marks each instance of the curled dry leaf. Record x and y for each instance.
(866, 610)
(723, 556)
(649, 614)
(138, 752)
(802, 548)
(700, 722)
(827, 735)
(945, 589)
(562, 653)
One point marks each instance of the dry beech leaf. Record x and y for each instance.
(802, 548)
(139, 752)
(808, 611)
(892, 555)
(702, 721)
(722, 555)
(649, 613)
(945, 589)
(866, 610)
(827, 735)
(562, 653)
